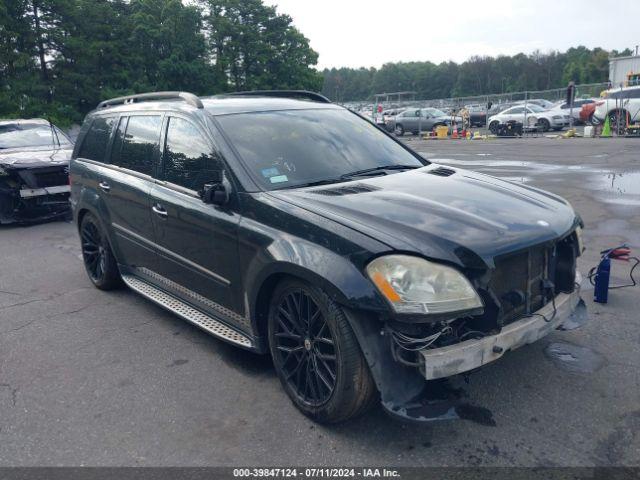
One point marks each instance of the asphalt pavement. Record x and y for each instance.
(107, 378)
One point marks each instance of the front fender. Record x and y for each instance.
(335, 274)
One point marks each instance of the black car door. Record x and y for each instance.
(125, 186)
(196, 242)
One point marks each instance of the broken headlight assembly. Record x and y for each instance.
(413, 285)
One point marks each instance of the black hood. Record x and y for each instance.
(449, 214)
(35, 157)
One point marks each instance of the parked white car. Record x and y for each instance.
(541, 102)
(535, 115)
(563, 108)
(623, 103)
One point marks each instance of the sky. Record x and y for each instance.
(369, 33)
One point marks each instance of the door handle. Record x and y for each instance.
(159, 210)
(104, 186)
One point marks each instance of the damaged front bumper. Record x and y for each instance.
(39, 192)
(471, 354)
(30, 195)
(30, 205)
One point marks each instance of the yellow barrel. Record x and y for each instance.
(442, 131)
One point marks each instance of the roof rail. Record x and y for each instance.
(301, 94)
(190, 98)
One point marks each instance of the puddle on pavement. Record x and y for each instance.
(621, 188)
(615, 188)
(574, 358)
(623, 183)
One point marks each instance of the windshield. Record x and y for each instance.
(435, 112)
(19, 135)
(297, 147)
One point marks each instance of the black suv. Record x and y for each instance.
(282, 223)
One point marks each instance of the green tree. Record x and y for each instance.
(254, 47)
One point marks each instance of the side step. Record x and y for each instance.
(185, 311)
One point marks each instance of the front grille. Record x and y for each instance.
(50, 177)
(518, 279)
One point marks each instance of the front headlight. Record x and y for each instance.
(418, 286)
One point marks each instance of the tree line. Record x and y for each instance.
(59, 58)
(476, 76)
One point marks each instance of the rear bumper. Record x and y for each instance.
(471, 354)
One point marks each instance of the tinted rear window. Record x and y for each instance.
(94, 146)
(136, 144)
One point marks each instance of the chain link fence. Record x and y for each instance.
(623, 112)
(390, 101)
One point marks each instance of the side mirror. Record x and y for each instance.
(216, 191)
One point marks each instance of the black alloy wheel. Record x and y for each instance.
(306, 348)
(316, 354)
(98, 258)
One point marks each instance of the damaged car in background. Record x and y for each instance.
(34, 171)
(285, 224)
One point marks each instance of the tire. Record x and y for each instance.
(493, 127)
(613, 121)
(97, 256)
(337, 384)
(544, 123)
(399, 130)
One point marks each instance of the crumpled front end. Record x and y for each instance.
(474, 353)
(33, 194)
(526, 295)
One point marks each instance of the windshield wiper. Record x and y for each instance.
(345, 177)
(381, 168)
(314, 183)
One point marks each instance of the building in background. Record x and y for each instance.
(624, 70)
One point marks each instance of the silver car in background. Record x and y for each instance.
(416, 120)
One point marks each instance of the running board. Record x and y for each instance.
(187, 312)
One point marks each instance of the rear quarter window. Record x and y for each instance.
(94, 145)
